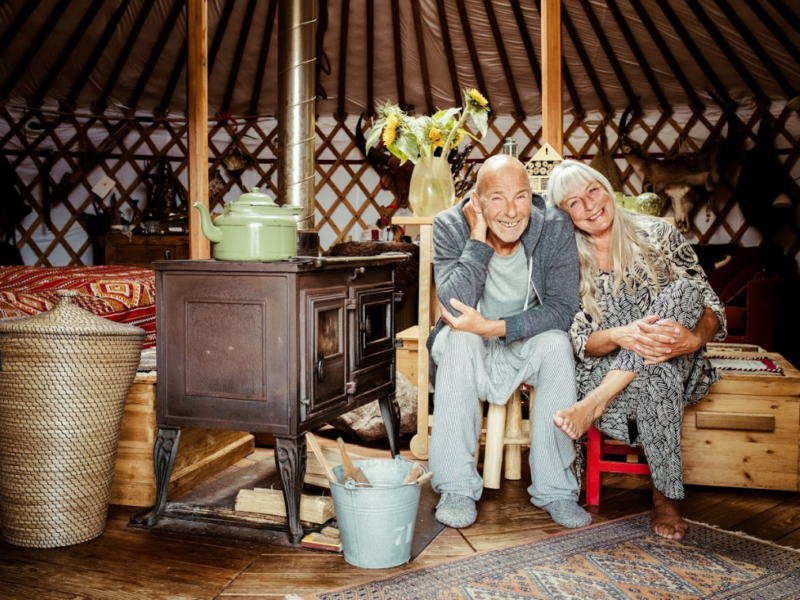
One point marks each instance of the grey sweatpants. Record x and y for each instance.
(470, 368)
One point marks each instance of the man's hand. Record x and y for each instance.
(472, 321)
(474, 216)
(665, 339)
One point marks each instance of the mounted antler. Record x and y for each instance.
(394, 176)
(683, 178)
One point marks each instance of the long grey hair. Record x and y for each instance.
(631, 254)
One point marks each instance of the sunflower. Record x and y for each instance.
(390, 131)
(458, 140)
(435, 136)
(475, 97)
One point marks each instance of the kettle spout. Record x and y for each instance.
(211, 231)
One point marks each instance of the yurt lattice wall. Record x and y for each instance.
(349, 194)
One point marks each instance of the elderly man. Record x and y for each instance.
(506, 272)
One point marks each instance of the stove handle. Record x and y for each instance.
(320, 368)
(356, 272)
(366, 327)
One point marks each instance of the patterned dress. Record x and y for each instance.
(650, 410)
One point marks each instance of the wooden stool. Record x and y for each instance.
(596, 450)
(506, 433)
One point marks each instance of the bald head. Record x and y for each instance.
(500, 166)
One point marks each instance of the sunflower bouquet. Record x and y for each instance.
(412, 138)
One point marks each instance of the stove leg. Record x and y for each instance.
(390, 411)
(290, 460)
(164, 453)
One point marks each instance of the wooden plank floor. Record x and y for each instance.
(131, 563)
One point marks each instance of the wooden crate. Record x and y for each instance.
(406, 354)
(201, 452)
(746, 431)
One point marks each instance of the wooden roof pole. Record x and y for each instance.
(552, 113)
(197, 29)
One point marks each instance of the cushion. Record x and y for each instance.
(120, 294)
(733, 293)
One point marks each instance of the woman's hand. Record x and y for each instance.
(660, 341)
(471, 321)
(625, 336)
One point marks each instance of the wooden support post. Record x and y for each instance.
(513, 452)
(197, 28)
(552, 113)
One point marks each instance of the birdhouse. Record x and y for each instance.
(540, 166)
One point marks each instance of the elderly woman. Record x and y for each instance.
(646, 314)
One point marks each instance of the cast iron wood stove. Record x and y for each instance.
(278, 347)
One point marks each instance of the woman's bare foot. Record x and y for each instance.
(578, 418)
(667, 521)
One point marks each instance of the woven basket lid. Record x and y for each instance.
(68, 318)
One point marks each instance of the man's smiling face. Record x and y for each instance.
(505, 198)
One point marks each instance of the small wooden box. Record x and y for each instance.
(141, 250)
(202, 453)
(746, 431)
(406, 353)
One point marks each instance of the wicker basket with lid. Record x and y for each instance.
(64, 378)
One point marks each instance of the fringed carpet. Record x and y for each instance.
(621, 560)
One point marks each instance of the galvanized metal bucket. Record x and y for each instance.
(377, 522)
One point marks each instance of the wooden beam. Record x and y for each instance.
(609, 51)
(398, 55)
(342, 85)
(784, 11)
(527, 42)
(774, 29)
(155, 53)
(247, 24)
(423, 57)
(18, 24)
(34, 47)
(565, 73)
(641, 59)
(694, 51)
(371, 58)
(473, 51)
(586, 62)
(501, 51)
(552, 115)
(91, 63)
(197, 34)
(172, 82)
(655, 35)
(219, 34)
(726, 48)
(66, 52)
(448, 51)
(758, 49)
(262, 56)
(124, 54)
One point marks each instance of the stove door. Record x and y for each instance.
(325, 363)
(374, 331)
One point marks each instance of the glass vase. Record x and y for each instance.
(431, 189)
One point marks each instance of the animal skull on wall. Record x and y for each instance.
(686, 179)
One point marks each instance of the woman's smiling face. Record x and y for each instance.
(591, 208)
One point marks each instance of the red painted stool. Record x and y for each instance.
(596, 465)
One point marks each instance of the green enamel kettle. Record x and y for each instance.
(253, 228)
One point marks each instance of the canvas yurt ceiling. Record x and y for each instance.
(131, 54)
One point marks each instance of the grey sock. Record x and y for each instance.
(567, 513)
(456, 510)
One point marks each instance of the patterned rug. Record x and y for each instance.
(617, 560)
